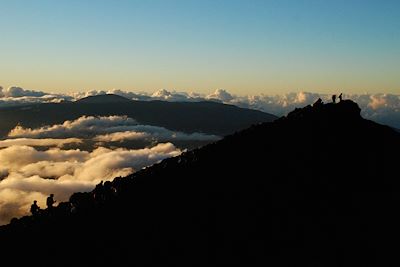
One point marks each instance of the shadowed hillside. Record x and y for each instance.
(206, 117)
(319, 187)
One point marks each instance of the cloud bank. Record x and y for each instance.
(28, 174)
(20, 92)
(106, 129)
(46, 142)
(35, 163)
(382, 108)
(16, 96)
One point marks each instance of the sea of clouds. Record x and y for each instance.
(56, 158)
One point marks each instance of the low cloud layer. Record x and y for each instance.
(107, 129)
(15, 96)
(19, 92)
(121, 136)
(28, 174)
(154, 133)
(46, 142)
(382, 108)
(35, 162)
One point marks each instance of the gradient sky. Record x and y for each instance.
(245, 47)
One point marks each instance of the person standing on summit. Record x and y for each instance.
(334, 98)
(35, 208)
(50, 201)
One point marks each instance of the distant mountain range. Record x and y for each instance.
(318, 187)
(207, 117)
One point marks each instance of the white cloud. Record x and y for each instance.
(121, 136)
(49, 169)
(107, 129)
(15, 157)
(166, 95)
(174, 96)
(15, 91)
(15, 96)
(85, 126)
(154, 133)
(221, 94)
(29, 174)
(39, 142)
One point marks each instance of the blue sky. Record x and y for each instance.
(245, 46)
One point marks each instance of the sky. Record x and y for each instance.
(246, 47)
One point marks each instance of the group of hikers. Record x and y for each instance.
(319, 101)
(35, 209)
(334, 98)
(101, 194)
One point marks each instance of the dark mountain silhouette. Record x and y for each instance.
(107, 98)
(319, 187)
(206, 117)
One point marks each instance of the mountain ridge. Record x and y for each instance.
(106, 98)
(189, 117)
(322, 193)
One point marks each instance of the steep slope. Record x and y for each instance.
(206, 117)
(319, 187)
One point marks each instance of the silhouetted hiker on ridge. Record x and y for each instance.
(98, 193)
(334, 98)
(318, 103)
(50, 201)
(35, 208)
(340, 97)
(108, 191)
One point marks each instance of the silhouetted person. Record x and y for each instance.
(318, 103)
(73, 208)
(98, 193)
(35, 208)
(334, 98)
(108, 192)
(50, 201)
(340, 97)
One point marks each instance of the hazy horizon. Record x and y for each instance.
(381, 107)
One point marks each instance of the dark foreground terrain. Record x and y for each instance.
(319, 187)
